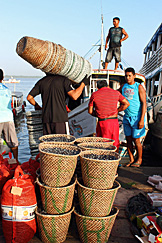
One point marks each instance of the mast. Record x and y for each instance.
(102, 45)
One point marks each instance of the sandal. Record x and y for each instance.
(128, 164)
(136, 164)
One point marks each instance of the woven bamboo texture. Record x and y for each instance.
(56, 169)
(95, 229)
(53, 228)
(52, 58)
(94, 140)
(56, 200)
(99, 174)
(95, 202)
(95, 145)
(62, 138)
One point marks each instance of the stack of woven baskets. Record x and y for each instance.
(52, 58)
(97, 189)
(58, 159)
(35, 130)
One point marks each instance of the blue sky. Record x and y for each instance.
(76, 25)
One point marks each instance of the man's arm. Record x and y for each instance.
(142, 96)
(107, 39)
(32, 101)
(123, 105)
(75, 93)
(125, 35)
(91, 111)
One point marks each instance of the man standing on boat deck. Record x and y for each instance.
(54, 90)
(115, 39)
(7, 126)
(134, 118)
(103, 104)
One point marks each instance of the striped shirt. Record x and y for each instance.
(105, 102)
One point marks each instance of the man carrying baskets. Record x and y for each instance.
(54, 90)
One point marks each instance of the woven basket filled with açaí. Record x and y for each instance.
(56, 200)
(95, 229)
(53, 58)
(57, 163)
(96, 202)
(94, 140)
(58, 138)
(99, 168)
(94, 145)
(53, 228)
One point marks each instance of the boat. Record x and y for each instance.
(152, 69)
(17, 104)
(11, 81)
(81, 123)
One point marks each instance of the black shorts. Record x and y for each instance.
(54, 128)
(113, 52)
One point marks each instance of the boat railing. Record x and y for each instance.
(156, 99)
(153, 62)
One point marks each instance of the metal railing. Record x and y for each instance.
(153, 62)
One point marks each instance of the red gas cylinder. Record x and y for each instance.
(18, 203)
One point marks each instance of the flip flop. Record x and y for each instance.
(136, 164)
(128, 164)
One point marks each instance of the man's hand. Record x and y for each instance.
(140, 124)
(37, 107)
(86, 80)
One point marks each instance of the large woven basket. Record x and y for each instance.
(95, 202)
(96, 173)
(52, 58)
(62, 138)
(53, 228)
(95, 229)
(94, 145)
(57, 169)
(94, 140)
(56, 200)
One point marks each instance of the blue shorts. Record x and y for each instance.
(130, 125)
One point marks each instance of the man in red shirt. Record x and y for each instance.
(104, 105)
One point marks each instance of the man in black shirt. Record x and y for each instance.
(54, 90)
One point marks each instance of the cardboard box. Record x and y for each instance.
(155, 199)
(147, 224)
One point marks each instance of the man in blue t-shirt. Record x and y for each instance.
(134, 118)
(7, 126)
(115, 38)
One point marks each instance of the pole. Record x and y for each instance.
(101, 53)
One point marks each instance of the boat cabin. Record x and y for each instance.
(152, 69)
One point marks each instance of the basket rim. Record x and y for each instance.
(96, 218)
(59, 155)
(81, 145)
(51, 187)
(99, 190)
(53, 215)
(99, 160)
(88, 138)
(57, 135)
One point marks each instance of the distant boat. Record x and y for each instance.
(11, 81)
